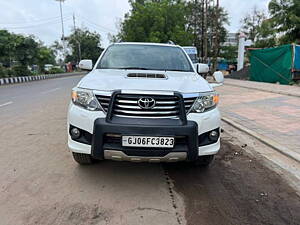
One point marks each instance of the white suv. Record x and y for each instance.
(144, 102)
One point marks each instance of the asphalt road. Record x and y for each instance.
(41, 184)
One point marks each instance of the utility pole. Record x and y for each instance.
(195, 24)
(205, 47)
(62, 27)
(202, 30)
(77, 39)
(74, 21)
(216, 37)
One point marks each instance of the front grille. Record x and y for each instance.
(126, 105)
(104, 101)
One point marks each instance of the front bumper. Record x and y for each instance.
(107, 137)
(102, 148)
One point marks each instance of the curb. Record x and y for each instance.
(16, 80)
(260, 89)
(278, 147)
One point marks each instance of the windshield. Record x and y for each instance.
(145, 57)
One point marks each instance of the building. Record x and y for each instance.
(231, 39)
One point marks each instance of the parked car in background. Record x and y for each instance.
(192, 53)
(48, 67)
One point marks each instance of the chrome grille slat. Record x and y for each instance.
(104, 101)
(167, 106)
(145, 112)
(138, 108)
(127, 105)
(189, 101)
(135, 102)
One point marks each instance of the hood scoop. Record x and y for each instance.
(147, 75)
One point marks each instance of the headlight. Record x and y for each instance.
(85, 99)
(205, 102)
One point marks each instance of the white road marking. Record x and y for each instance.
(49, 91)
(5, 104)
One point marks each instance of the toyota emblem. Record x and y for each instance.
(146, 103)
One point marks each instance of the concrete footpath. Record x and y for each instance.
(274, 88)
(269, 111)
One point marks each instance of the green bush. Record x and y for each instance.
(6, 72)
(21, 71)
(56, 70)
(2, 72)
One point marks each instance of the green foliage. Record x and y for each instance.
(4, 72)
(6, 47)
(156, 21)
(55, 70)
(229, 53)
(14, 71)
(197, 21)
(182, 22)
(251, 24)
(21, 70)
(44, 56)
(26, 50)
(19, 51)
(282, 26)
(285, 17)
(85, 43)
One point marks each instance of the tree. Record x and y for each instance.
(229, 53)
(252, 22)
(84, 44)
(156, 21)
(282, 26)
(44, 56)
(18, 52)
(26, 50)
(266, 35)
(206, 28)
(14, 47)
(285, 18)
(6, 47)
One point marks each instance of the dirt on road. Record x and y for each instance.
(236, 189)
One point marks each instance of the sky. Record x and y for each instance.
(42, 17)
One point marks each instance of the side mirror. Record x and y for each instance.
(219, 77)
(202, 68)
(86, 64)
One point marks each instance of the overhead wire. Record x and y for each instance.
(35, 20)
(38, 25)
(98, 26)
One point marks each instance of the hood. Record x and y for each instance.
(111, 79)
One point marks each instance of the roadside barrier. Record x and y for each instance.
(15, 80)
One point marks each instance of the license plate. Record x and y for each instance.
(148, 142)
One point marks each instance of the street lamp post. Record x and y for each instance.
(62, 26)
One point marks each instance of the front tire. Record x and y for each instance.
(204, 161)
(82, 159)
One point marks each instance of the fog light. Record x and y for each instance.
(75, 133)
(214, 135)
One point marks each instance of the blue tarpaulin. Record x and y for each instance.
(297, 57)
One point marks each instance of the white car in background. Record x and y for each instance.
(144, 102)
